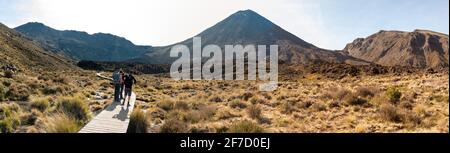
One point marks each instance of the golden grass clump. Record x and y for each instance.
(74, 107)
(174, 126)
(138, 122)
(245, 127)
(61, 123)
(40, 104)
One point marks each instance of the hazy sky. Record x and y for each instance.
(329, 24)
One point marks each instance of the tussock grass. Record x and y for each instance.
(9, 117)
(138, 122)
(237, 104)
(174, 126)
(74, 107)
(61, 123)
(254, 112)
(166, 104)
(245, 127)
(40, 104)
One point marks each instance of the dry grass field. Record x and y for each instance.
(383, 103)
(64, 102)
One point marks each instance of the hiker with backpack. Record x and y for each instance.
(116, 82)
(122, 80)
(129, 80)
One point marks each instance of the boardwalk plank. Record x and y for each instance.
(114, 119)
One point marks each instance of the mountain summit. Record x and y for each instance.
(248, 27)
(80, 45)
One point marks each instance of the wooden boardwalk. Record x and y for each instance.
(114, 119)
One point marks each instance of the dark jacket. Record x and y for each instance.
(129, 81)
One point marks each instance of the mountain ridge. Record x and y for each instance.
(419, 48)
(80, 45)
(21, 52)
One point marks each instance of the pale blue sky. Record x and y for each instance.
(329, 24)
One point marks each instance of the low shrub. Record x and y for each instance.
(245, 127)
(393, 94)
(365, 92)
(174, 126)
(254, 112)
(352, 99)
(237, 104)
(389, 112)
(9, 74)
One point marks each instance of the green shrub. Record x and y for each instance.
(61, 123)
(393, 94)
(138, 122)
(40, 103)
(245, 127)
(74, 107)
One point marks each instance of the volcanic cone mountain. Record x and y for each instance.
(248, 27)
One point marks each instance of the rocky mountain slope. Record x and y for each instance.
(21, 52)
(421, 49)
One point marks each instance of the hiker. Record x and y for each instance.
(129, 81)
(122, 79)
(116, 81)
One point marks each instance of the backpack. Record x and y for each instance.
(116, 78)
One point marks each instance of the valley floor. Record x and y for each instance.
(51, 102)
(384, 103)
